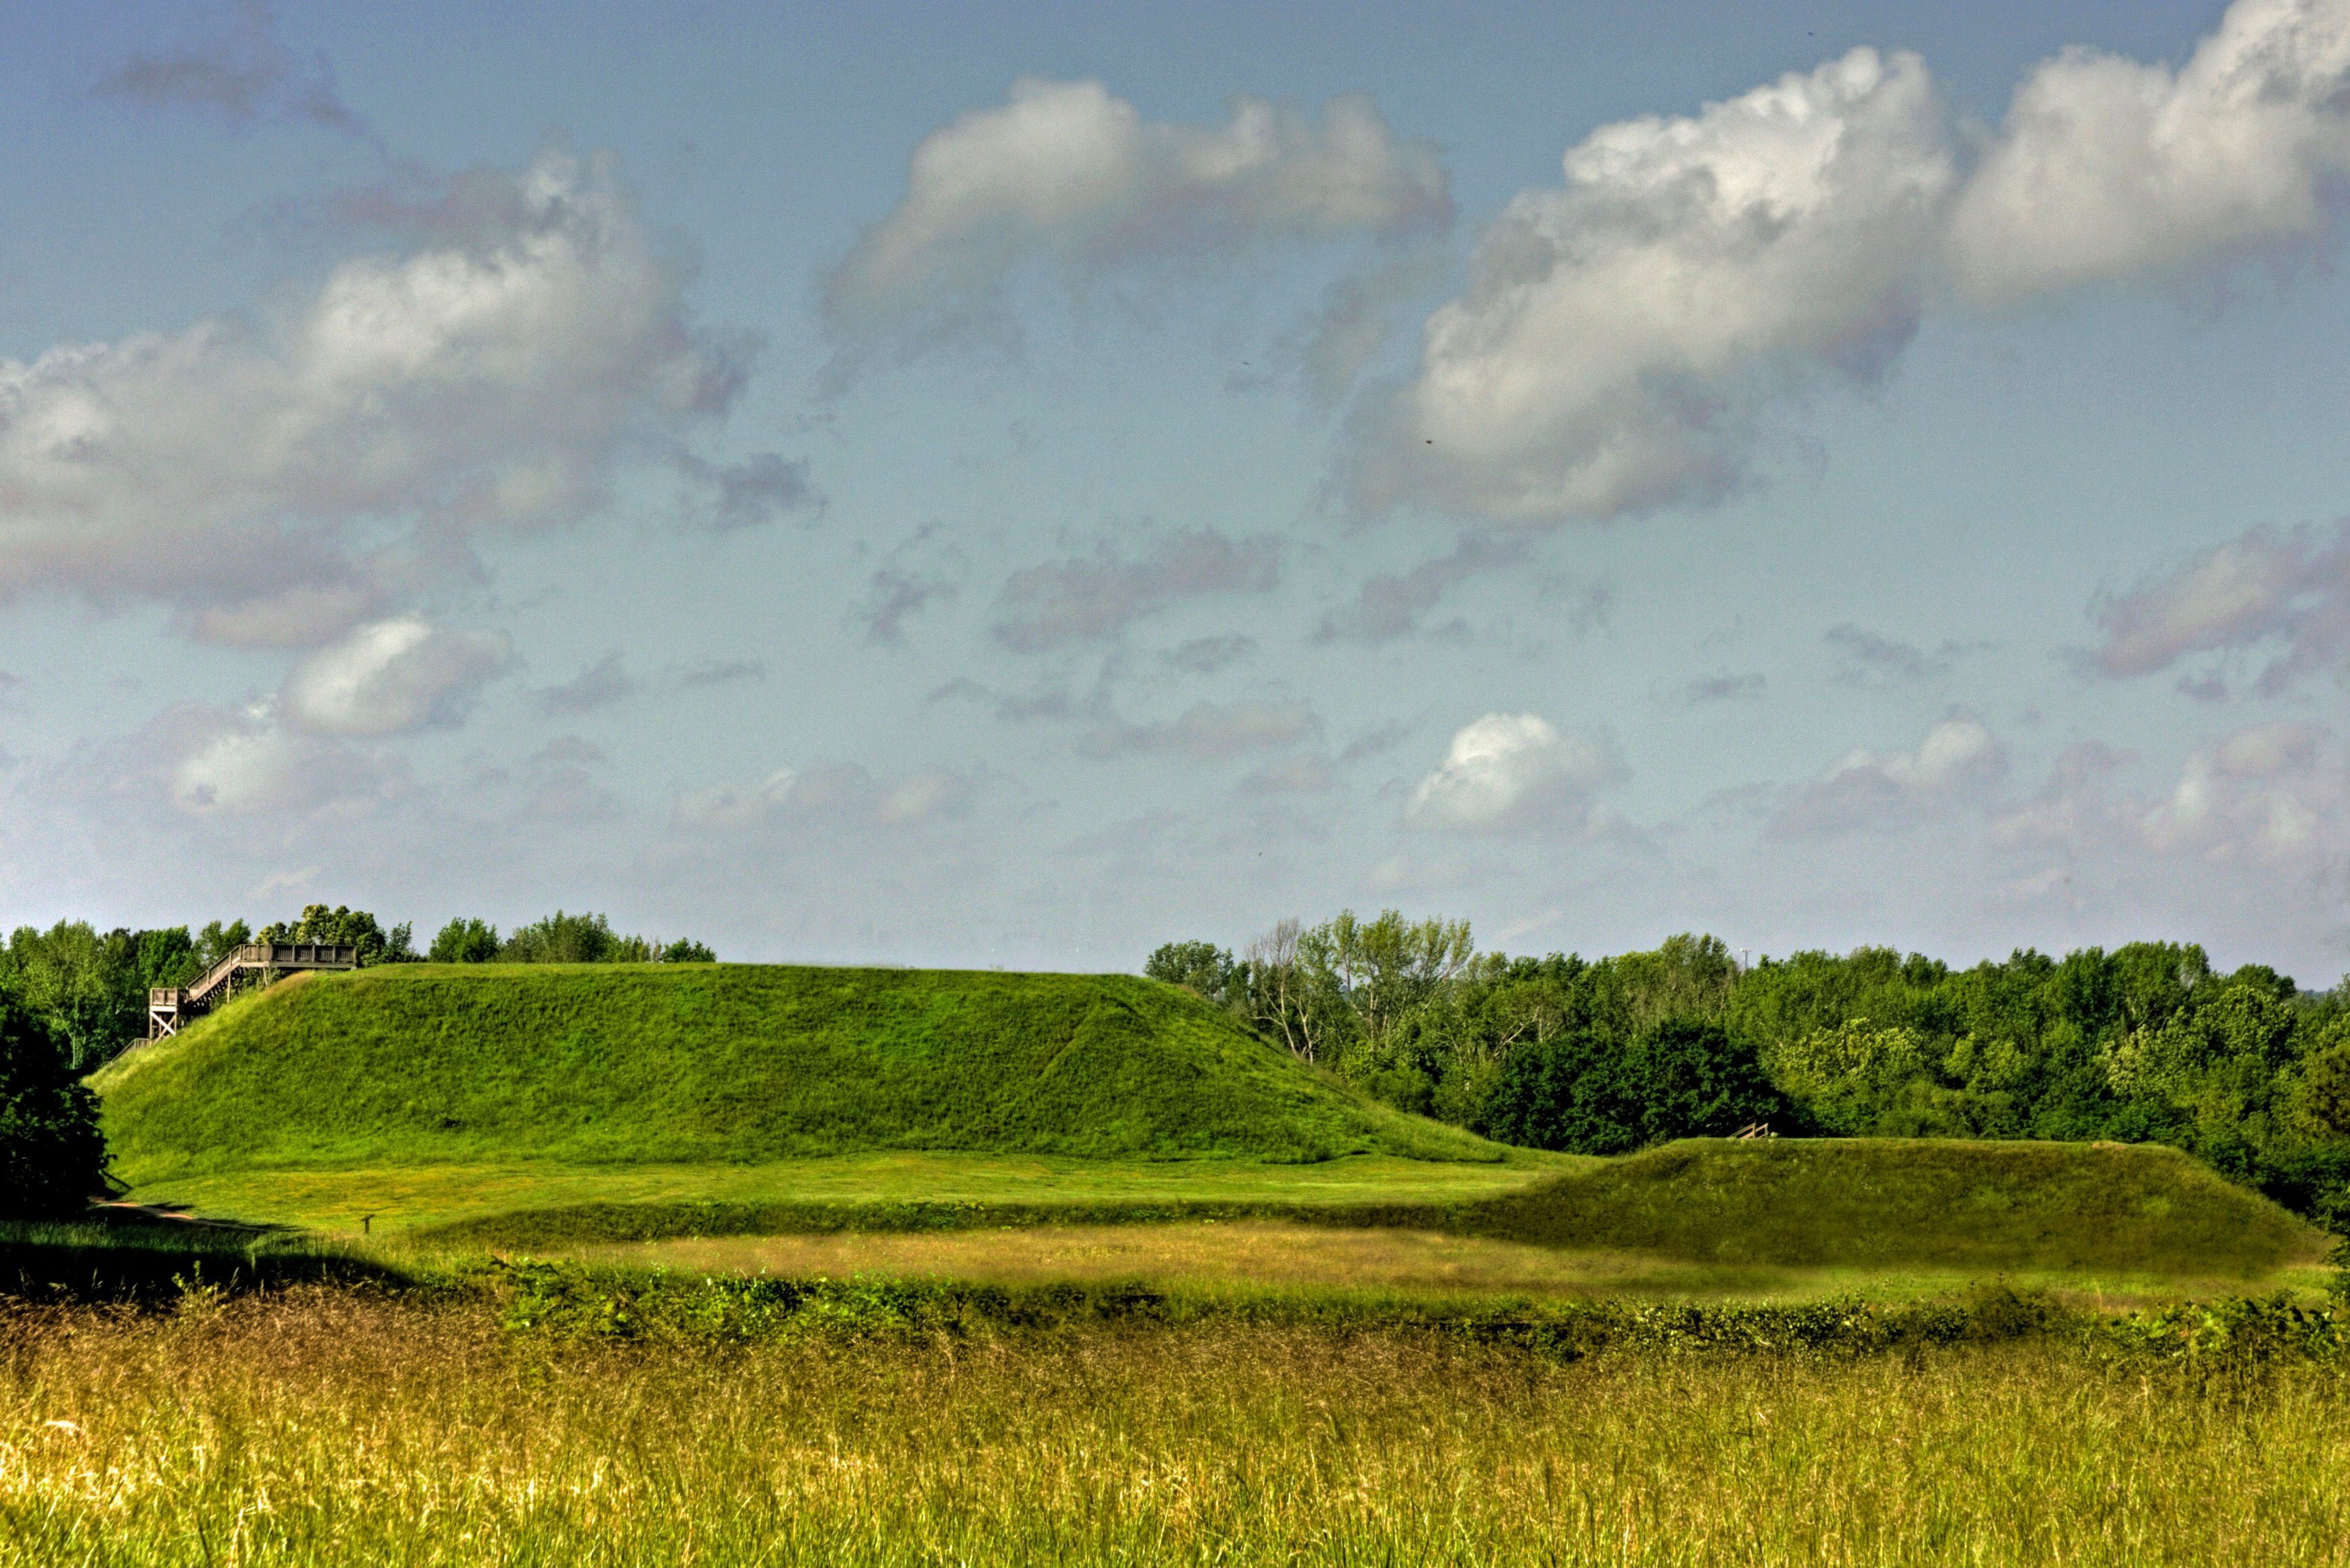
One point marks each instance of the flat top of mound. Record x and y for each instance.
(1910, 1201)
(733, 1064)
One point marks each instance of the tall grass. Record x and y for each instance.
(315, 1427)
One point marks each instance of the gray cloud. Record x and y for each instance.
(724, 497)
(1206, 655)
(894, 595)
(1045, 703)
(562, 787)
(1304, 773)
(1392, 606)
(240, 70)
(207, 763)
(1723, 687)
(1328, 352)
(1208, 731)
(600, 685)
(721, 672)
(1865, 659)
(2284, 589)
(300, 617)
(832, 795)
(1371, 743)
(1086, 599)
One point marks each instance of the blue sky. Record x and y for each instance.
(1012, 485)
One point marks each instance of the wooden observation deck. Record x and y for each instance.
(255, 963)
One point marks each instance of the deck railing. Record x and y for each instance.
(169, 1005)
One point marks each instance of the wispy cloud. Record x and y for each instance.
(2287, 589)
(239, 69)
(1088, 598)
(1395, 605)
(1208, 731)
(600, 685)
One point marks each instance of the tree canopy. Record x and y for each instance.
(52, 1155)
(2145, 1042)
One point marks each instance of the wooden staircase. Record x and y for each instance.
(261, 963)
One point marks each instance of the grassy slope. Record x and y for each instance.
(1886, 1202)
(730, 1064)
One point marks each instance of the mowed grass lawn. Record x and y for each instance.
(404, 1198)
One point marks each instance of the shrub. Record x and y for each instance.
(52, 1155)
(466, 941)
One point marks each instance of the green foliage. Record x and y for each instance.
(52, 1157)
(728, 1063)
(1202, 967)
(216, 941)
(463, 940)
(90, 988)
(345, 927)
(2325, 1085)
(563, 938)
(2144, 1044)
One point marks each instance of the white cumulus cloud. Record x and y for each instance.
(1625, 335)
(1619, 332)
(1514, 770)
(2267, 797)
(393, 676)
(247, 763)
(488, 377)
(2110, 168)
(1070, 170)
(1958, 761)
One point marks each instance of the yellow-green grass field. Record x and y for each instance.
(315, 1427)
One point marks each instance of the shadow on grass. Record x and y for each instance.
(589, 1223)
(146, 1253)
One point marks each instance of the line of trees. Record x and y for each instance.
(560, 938)
(89, 987)
(72, 998)
(2146, 1042)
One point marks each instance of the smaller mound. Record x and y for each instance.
(730, 1064)
(2090, 1207)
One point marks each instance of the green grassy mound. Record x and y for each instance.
(729, 1065)
(1900, 1202)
